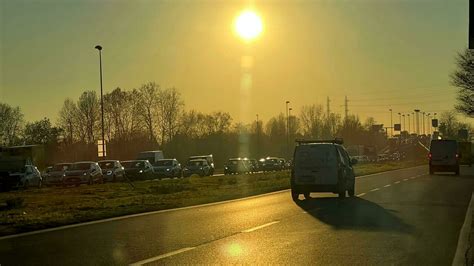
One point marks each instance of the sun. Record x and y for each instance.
(248, 25)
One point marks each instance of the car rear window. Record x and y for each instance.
(315, 155)
(444, 147)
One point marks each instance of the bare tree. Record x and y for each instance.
(170, 106)
(149, 94)
(11, 121)
(463, 79)
(88, 116)
(67, 119)
(312, 117)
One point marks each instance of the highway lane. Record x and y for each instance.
(400, 217)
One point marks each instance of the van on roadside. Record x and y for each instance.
(444, 156)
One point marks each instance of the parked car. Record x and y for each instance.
(112, 170)
(86, 172)
(151, 156)
(167, 168)
(54, 176)
(322, 166)
(272, 164)
(210, 161)
(237, 166)
(253, 164)
(16, 172)
(197, 167)
(444, 156)
(138, 169)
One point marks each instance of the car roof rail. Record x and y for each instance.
(310, 141)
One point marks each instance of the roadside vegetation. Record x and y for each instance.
(33, 209)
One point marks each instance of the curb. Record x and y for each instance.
(463, 241)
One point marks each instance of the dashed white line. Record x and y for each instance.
(259, 227)
(361, 194)
(406, 179)
(375, 189)
(169, 254)
(387, 185)
(413, 177)
(397, 182)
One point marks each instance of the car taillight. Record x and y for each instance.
(429, 155)
(457, 155)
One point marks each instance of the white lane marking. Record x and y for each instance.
(260, 227)
(361, 194)
(387, 185)
(413, 177)
(463, 240)
(397, 182)
(169, 254)
(406, 179)
(218, 175)
(375, 189)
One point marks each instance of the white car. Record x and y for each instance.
(322, 166)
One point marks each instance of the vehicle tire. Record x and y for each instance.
(307, 195)
(91, 181)
(457, 171)
(431, 171)
(351, 191)
(341, 187)
(295, 195)
(26, 185)
(40, 183)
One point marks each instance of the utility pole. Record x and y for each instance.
(424, 133)
(404, 124)
(346, 109)
(417, 116)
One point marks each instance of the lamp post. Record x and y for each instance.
(287, 129)
(404, 123)
(289, 120)
(428, 128)
(98, 47)
(391, 122)
(257, 129)
(409, 124)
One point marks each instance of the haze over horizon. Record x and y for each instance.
(380, 54)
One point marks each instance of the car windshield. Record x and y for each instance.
(60, 167)
(80, 166)
(196, 163)
(133, 164)
(107, 165)
(164, 163)
(174, 99)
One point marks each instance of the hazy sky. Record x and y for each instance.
(380, 53)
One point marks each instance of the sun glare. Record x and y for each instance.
(248, 25)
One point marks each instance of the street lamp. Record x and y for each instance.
(391, 122)
(404, 123)
(257, 129)
(98, 47)
(287, 129)
(409, 124)
(428, 128)
(423, 122)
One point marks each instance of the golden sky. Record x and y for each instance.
(381, 54)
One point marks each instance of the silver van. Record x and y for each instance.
(322, 166)
(444, 156)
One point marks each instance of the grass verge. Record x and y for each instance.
(34, 209)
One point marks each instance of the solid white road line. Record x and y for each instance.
(463, 240)
(387, 185)
(361, 194)
(260, 227)
(169, 254)
(375, 189)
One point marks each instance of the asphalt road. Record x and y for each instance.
(399, 217)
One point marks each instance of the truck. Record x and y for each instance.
(151, 156)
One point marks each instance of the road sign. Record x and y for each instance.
(101, 149)
(397, 127)
(434, 122)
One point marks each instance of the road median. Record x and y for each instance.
(35, 209)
